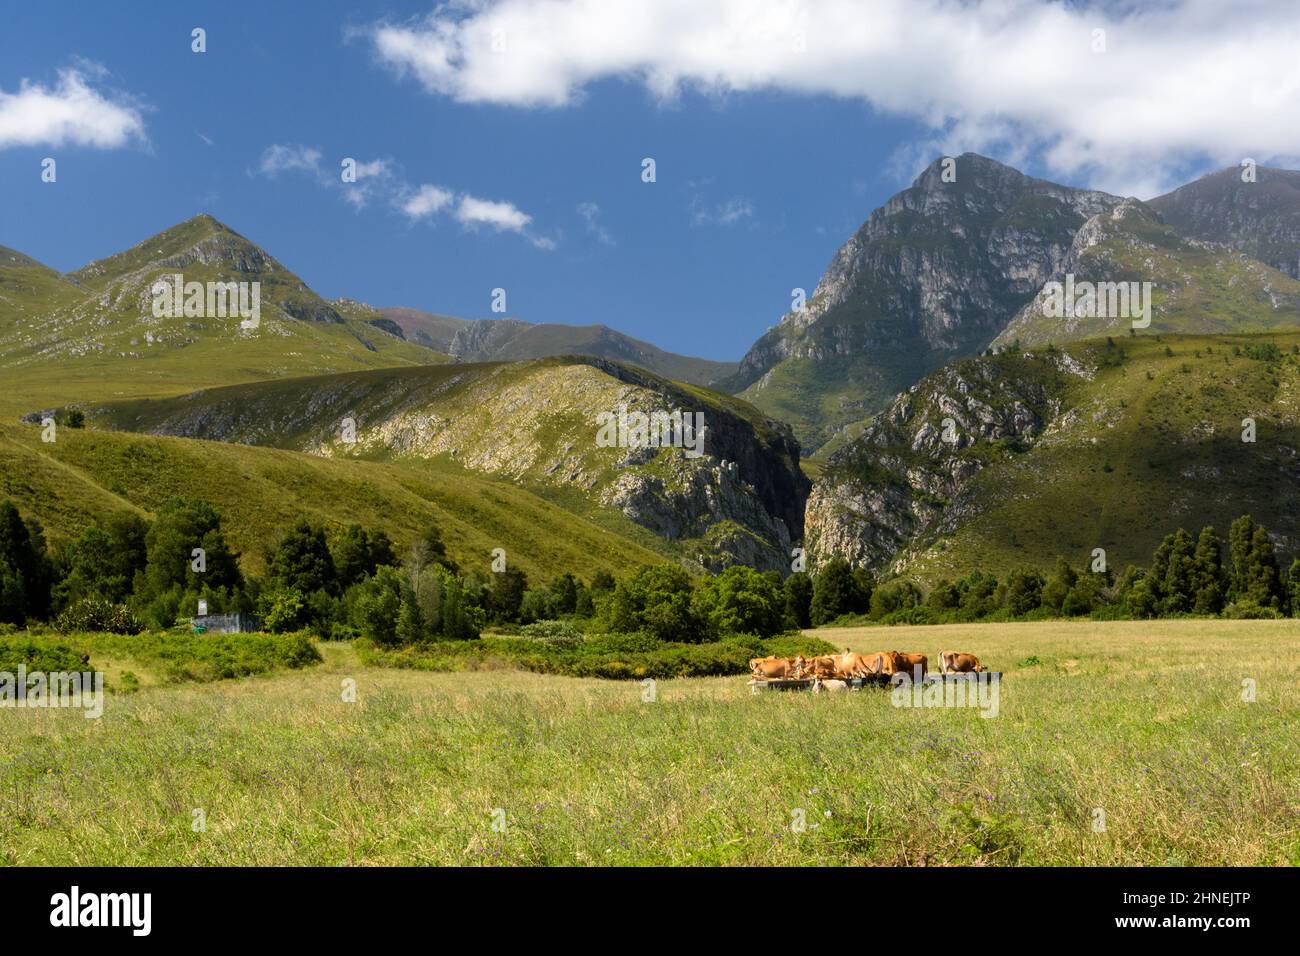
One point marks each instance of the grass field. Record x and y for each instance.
(1144, 721)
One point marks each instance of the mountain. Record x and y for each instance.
(29, 289)
(93, 335)
(509, 340)
(1195, 287)
(492, 340)
(533, 423)
(426, 328)
(1260, 218)
(1012, 459)
(931, 276)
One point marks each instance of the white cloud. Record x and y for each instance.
(377, 178)
(590, 212)
(502, 216)
(71, 112)
(427, 201)
(724, 214)
(1182, 82)
(374, 178)
(278, 159)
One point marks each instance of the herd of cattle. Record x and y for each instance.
(833, 671)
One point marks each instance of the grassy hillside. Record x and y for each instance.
(92, 336)
(1196, 287)
(1098, 445)
(535, 424)
(29, 289)
(85, 475)
(587, 773)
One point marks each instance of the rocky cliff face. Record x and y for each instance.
(903, 478)
(932, 275)
(481, 341)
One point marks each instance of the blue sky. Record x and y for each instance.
(761, 173)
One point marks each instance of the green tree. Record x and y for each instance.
(978, 595)
(1023, 591)
(1239, 550)
(1209, 579)
(896, 595)
(1263, 583)
(833, 591)
(358, 553)
(302, 561)
(24, 567)
(507, 595)
(864, 583)
(376, 604)
(1293, 587)
(1179, 590)
(740, 600)
(798, 599)
(1058, 585)
(564, 594)
(656, 600)
(1084, 596)
(182, 526)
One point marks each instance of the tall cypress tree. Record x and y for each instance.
(1263, 585)
(1239, 537)
(1208, 573)
(1179, 587)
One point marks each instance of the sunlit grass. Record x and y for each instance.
(1144, 721)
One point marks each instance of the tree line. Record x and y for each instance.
(1202, 576)
(128, 573)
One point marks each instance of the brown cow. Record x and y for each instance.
(910, 663)
(825, 666)
(958, 662)
(883, 662)
(852, 665)
(770, 668)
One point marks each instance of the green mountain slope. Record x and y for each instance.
(85, 475)
(1195, 287)
(932, 275)
(535, 424)
(93, 334)
(30, 290)
(1058, 452)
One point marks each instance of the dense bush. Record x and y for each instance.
(40, 655)
(658, 600)
(97, 614)
(612, 656)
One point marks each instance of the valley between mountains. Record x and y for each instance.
(924, 413)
